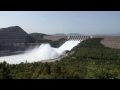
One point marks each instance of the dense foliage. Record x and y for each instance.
(37, 36)
(90, 60)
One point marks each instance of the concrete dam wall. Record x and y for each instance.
(78, 38)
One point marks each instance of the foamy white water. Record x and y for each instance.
(44, 52)
(69, 45)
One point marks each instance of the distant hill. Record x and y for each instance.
(70, 34)
(59, 34)
(74, 34)
(115, 34)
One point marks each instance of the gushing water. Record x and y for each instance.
(43, 52)
(69, 45)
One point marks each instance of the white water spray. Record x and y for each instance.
(44, 52)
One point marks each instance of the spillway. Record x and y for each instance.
(44, 52)
(68, 45)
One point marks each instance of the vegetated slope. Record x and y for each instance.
(38, 36)
(90, 60)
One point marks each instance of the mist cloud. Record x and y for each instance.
(43, 52)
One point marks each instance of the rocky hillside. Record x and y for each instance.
(14, 34)
(14, 39)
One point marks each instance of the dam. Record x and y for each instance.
(73, 41)
(44, 51)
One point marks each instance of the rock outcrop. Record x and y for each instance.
(14, 34)
(14, 39)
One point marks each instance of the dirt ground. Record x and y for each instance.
(110, 41)
(54, 38)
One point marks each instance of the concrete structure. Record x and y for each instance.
(71, 42)
(78, 38)
(75, 38)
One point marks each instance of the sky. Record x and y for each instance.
(51, 22)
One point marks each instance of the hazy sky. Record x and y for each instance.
(50, 22)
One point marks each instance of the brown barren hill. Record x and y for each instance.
(54, 38)
(110, 41)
